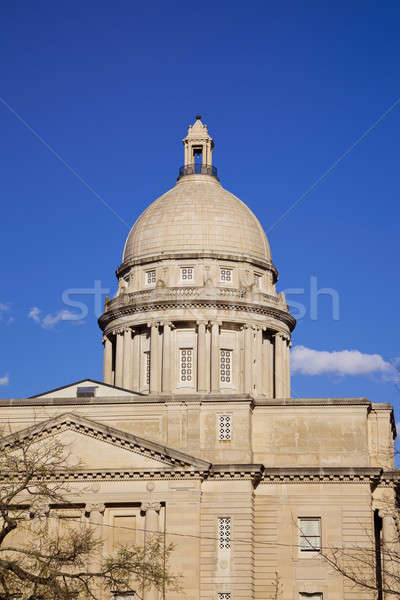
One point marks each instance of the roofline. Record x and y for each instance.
(63, 387)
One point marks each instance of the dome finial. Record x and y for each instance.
(198, 146)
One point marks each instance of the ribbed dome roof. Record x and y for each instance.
(197, 216)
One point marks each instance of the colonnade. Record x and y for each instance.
(261, 367)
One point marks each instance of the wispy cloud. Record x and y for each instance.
(5, 308)
(5, 380)
(343, 362)
(50, 320)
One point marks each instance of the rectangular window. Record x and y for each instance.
(226, 275)
(310, 534)
(224, 596)
(147, 367)
(225, 366)
(257, 280)
(187, 274)
(186, 364)
(224, 427)
(224, 533)
(150, 277)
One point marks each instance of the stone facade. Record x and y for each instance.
(193, 432)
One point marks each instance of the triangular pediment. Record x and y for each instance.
(99, 446)
(86, 389)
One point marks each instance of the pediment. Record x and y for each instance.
(101, 447)
(100, 390)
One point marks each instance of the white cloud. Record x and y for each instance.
(34, 314)
(5, 308)
(5, 380)
(344, 362)
(51, 320)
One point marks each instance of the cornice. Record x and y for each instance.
(321, 475)
(144, 307)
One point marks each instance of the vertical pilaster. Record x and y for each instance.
(288, 387)
(166, 379)
(155, 370)
(215, 349)
(151, 510)
(95, 512)
(107, 362)
(201, 357)
(127, 368)
(119, 357)
(390, 542)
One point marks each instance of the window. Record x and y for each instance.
(224, 427)
(310, 534)
(150, 277)
(226, 275)
(187, 274)
(257, 280)
(85, 391)
(186, 365)
(225, 368)
(224, 533)
(224, 596)
(147, 367)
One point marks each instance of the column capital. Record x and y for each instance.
(118, 331)
(167, 324)
(147, 506)
(105, 339)
(202, 322)
(95, 507)
(215, 322)
(153, 324)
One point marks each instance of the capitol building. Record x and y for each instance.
(193, 431)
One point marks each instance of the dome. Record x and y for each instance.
(196, 217)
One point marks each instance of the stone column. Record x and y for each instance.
(151, 526)
(154, 359)
(107, 362)
(268, 367)
(201, 357)
(288, 345)
(96, 516)
(127, 368)
(258, 371)
(166, 380)
(119, 357)
(247, 359)
(215, 350)
(136, 361)
(279, 366)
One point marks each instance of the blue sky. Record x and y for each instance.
(285, 88)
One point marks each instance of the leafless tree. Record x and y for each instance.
(40, 562)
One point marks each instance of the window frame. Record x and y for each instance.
(311, 551)
(226, 281)
(224, 383)
(224, 530)
(223, 426)
(191, 380)
(146, 276)
(187, 280)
